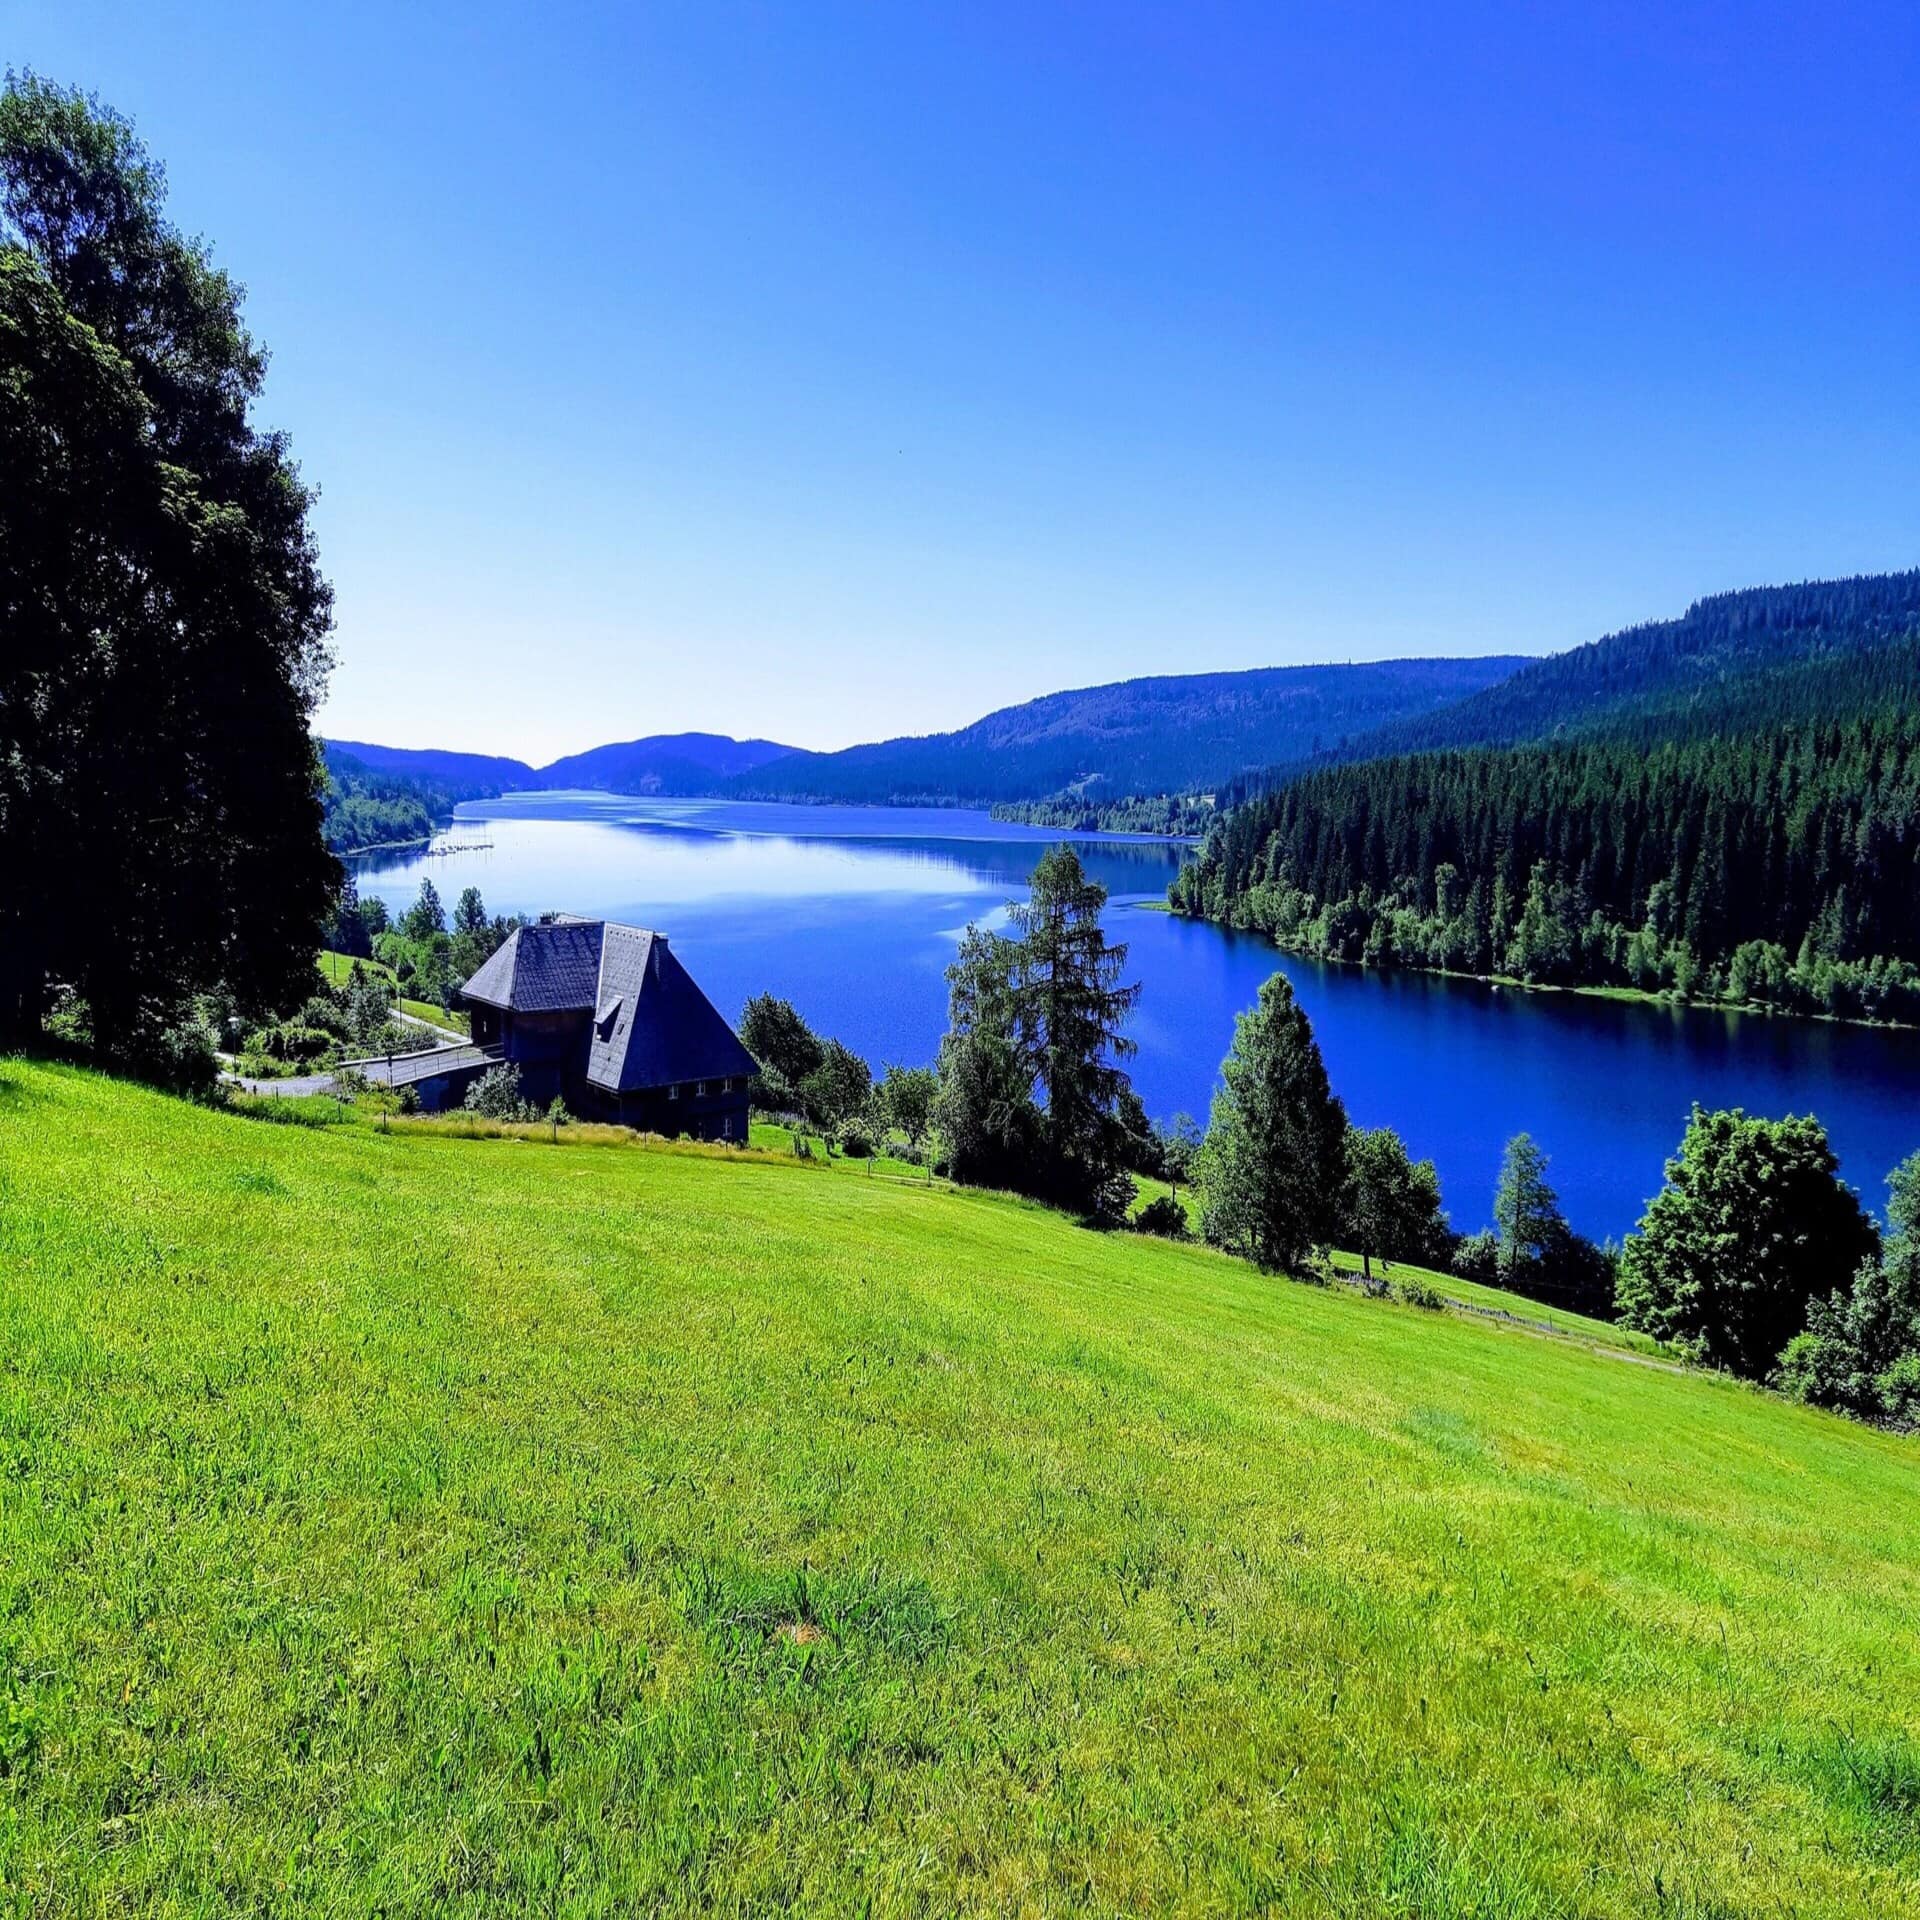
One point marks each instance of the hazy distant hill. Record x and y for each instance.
(1180, 733)
(675, 763)
(477, 772)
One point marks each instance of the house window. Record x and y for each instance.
(673, 1093)
(699, 1089)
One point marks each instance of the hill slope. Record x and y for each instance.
(1808, 651)
(1724, 806)
(411, 1522)
(1176, 734)
(474, 773)
(369, 806)
(673, 763)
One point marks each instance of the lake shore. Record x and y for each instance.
(1626, 996)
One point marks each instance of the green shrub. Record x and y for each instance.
(290, 1041)
(1416, 1292)
(496, 1095)
(1900, 1390)
(1477, 1257)
(855, 1138)
(1317, 1269)
(1163, 1216)
(312, 1110)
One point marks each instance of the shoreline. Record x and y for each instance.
(1638, 996)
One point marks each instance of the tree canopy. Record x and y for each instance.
(165, 614)
(1752, 1225)
(1780, 865)
(1393, 1205)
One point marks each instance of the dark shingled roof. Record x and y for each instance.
(652, 1026)
(551, 968)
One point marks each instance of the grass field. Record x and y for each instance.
(400, 1522)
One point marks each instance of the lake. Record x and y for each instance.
(853, 914)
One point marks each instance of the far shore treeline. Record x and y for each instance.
(1725, 807)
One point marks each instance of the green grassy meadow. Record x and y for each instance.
(400, 1522)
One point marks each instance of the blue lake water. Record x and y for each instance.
(853, 914)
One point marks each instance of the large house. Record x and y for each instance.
(605, 1017)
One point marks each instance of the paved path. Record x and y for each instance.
(293, 1085)
(447, 1054)
(404, 1069)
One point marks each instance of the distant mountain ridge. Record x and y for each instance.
(670, 763)
(675, 763)
(1177, 733)
(385, 796)
(481, 771)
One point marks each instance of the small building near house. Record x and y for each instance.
(606, 1017)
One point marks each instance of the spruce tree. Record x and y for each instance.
(1274, 1161)
(1070, 1009)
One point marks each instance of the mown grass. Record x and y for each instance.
(770, 1136)
(399, 1522)
(1449, 1286)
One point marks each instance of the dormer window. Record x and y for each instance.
(605, 1024)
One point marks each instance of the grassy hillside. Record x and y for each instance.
(395, 1521)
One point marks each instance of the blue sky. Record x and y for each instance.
(828, 371)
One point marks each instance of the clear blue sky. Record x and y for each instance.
(829, 371)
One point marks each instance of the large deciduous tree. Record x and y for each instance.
(788, 1050)
(164, 614)
(1752, 1225)
(1274, 1166)
(1393, 1201)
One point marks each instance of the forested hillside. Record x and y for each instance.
(469, 774)
(1730, 660)
(1182, 733)
(369, 807)
(1779, 865)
